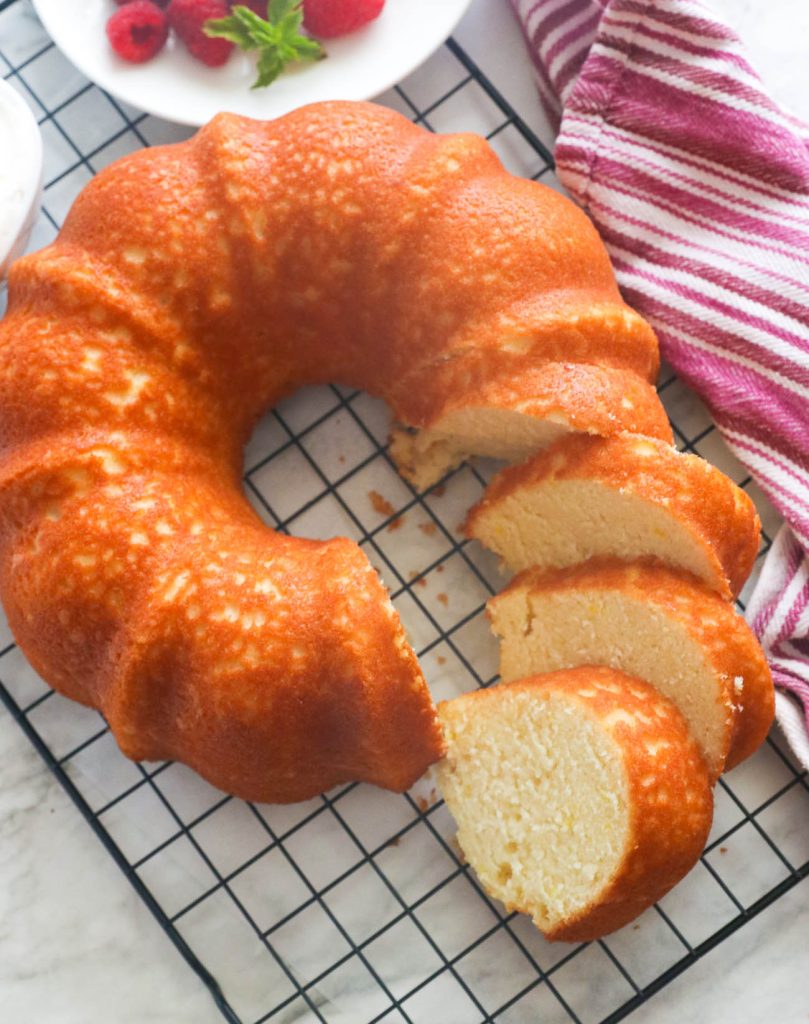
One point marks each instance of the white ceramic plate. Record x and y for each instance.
(178, 88)
(20, 176)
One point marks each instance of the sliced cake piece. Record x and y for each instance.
(580, 796)
(663, 625)
(626, 496)
(514, 417)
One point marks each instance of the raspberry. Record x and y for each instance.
(327, 19)
(187, 18)
(138, 31)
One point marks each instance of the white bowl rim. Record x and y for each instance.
(32, 184)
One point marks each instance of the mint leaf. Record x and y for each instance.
(270, 65)
(261, 31)
(276, 10)
(310, 49)
(229, 28)
(278, 39)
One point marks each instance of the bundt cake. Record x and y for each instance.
(193, 286)
(625, 496)
(580, 796)
(660, 624)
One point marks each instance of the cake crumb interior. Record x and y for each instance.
(542, 631)
(563, 522)
(426, 455)
(538, 791)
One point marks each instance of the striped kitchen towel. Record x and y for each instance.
(699, 185)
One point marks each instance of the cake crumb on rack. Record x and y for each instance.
(455, 846)
(380, 504)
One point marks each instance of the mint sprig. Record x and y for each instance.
(278, 39)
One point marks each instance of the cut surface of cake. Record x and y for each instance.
(580, 796)
(624, 496)
(515, 417)
(660, 624)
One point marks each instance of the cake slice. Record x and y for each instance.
(514, 417)
(626, 496)
(660, 624)
(580, 797)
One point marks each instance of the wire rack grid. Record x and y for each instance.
(357, 906)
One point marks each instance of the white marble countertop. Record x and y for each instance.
(76, 944)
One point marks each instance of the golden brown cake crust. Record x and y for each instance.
(722, 634)
(720, 516)
(274, 666)
(397, 251)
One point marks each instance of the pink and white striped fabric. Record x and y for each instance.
(699, 186)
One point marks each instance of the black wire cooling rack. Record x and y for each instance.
(356, 906)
